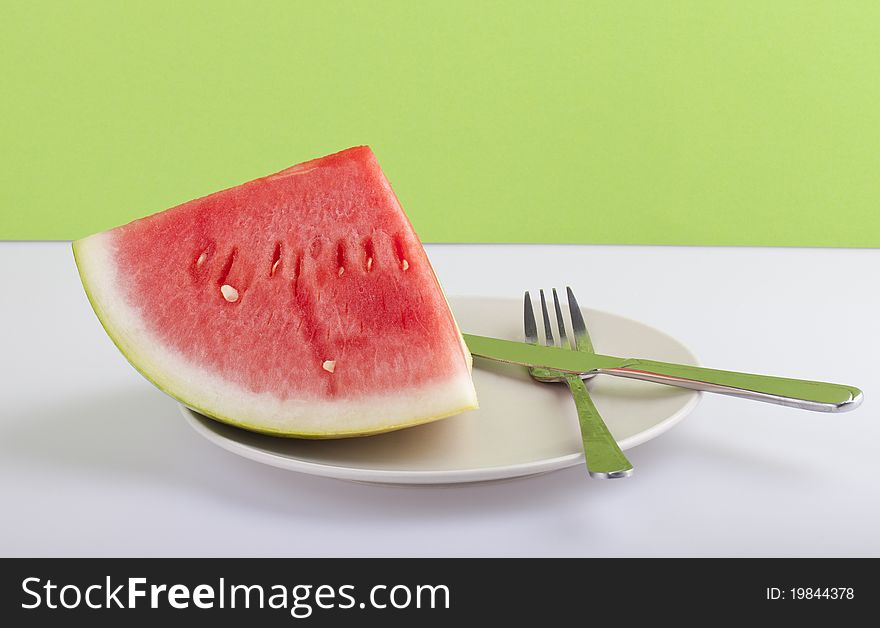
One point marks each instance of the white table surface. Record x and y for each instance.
(95, 461)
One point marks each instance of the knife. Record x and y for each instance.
(794, 393)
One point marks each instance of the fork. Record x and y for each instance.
(603, 456)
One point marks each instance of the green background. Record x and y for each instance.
(751, 123)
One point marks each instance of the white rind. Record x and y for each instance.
(227, 401)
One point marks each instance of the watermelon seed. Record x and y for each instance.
(229, 293)
(227, 267)
(340, 257)
(201, 259)
(368, 252)
(400, 251)
(329, 365)
(276, 258)
(297, 271)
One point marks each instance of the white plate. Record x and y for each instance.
(522, 427)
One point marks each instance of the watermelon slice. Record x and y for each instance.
(300, 304)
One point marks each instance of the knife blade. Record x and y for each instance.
(539, 356)
(796, 393)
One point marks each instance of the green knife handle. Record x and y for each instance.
(604, 458)
(795, 393)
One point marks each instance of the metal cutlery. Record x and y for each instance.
(603, 456)
(795, 393)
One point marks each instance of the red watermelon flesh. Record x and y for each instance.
(298, 304)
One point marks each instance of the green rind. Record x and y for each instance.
(130, 355)
(320, 435)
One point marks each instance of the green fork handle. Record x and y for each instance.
(604, 458)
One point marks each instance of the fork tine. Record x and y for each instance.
(548, 331)
(560, 322)
(531, 327)
(581, 335)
